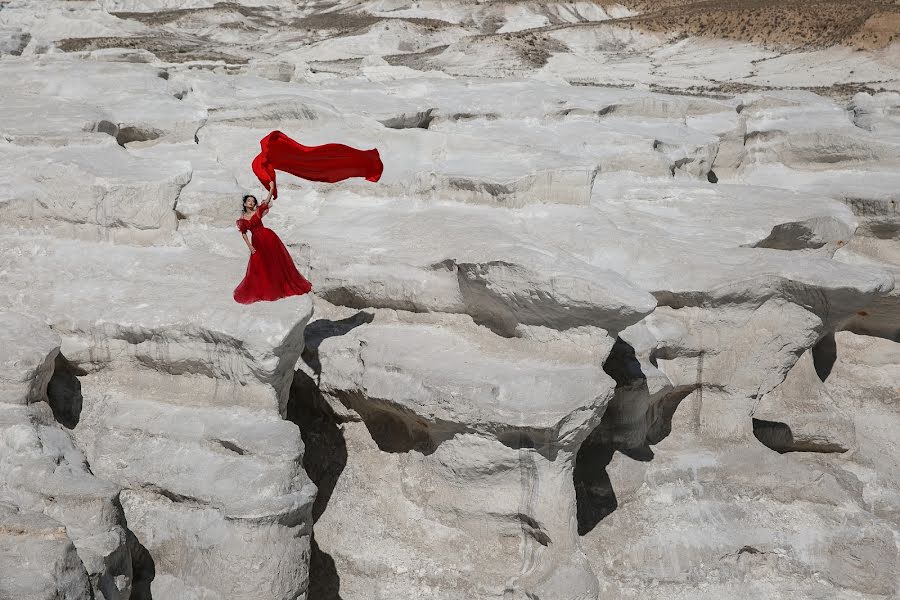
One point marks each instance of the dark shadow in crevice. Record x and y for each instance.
(633, 393)
(231, 446)
(322, 329)
(419, 120)
(395, 435)
(519, 440)
(622, 364)
(324, 581)
(632, 423)
(143, 568)
(395, 432)
(774, 435)
(623, 424)
(778, 436)
(350, 297)
(64, 393)
(324, 459)
(325, 454)
(126, 134)
(662, 413)
(595, 498)
(824, 355)
(641, 453)
(541, 441)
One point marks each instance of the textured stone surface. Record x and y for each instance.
(620, 319)
(702, 513)
(38, 559)
(176, 407)
(49, 497)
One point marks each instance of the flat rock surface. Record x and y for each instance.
(620, 318)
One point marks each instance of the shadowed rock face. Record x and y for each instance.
(620, 319)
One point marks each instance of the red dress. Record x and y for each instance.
(271, 273)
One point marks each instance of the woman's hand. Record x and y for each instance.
(252, 250)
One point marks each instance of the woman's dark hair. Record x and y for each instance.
(244, 200)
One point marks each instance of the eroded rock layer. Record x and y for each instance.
(620, 320)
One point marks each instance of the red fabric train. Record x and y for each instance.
(328, 163)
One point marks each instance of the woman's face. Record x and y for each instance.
(250, 203)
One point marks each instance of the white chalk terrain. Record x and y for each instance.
(621, 319)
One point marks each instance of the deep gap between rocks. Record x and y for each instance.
(595, 496)
(324, 459)
(325, 453)
(64, 393)
(143, 568)
(824, 355)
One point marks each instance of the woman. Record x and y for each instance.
(271, 273)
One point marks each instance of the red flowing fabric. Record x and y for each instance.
(271, 273)
(328, 163)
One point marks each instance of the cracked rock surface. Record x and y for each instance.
(620, 320)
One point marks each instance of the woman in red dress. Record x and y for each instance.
(271, 273)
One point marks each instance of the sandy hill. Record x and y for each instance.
(793, 23)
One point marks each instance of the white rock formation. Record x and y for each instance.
(620, 319)
(176, 408)
(479, 431)
(714, 517)
(52, 505)
(38, 558)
